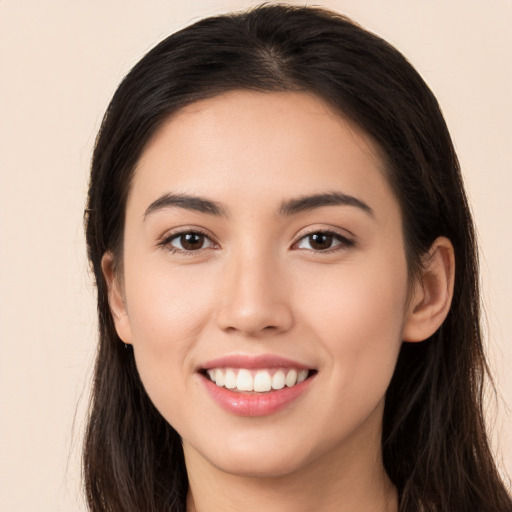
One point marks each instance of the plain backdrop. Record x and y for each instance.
(60, 62)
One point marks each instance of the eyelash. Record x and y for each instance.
(344, 242)
(166, 242)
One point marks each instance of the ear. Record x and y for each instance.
(432, 293)
(116, 298)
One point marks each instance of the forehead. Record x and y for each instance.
(260, 146)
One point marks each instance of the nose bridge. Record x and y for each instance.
(254, 297)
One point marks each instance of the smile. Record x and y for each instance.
(259, 381)
(256, 385)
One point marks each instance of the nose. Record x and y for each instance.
(254, 300)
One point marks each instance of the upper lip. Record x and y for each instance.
(253, 362)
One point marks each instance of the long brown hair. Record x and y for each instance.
(434, 445)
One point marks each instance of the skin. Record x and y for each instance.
(258, 285)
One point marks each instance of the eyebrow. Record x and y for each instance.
(195, 203)
(306, 203)
(287, 208)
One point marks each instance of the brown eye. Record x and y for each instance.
(189, 241)
(323, 241)
(320, 241)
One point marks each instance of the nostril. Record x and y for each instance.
(251, 302)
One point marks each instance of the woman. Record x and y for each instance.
(287, 280)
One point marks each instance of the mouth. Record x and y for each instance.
(263, 380)
(256, 385)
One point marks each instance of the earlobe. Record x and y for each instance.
(116, 298)
(432, 294)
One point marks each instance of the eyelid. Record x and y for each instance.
(165, 240)
(347, 240)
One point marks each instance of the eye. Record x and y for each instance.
(187, 241)
(323, 241)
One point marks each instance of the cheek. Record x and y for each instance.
(167, 313)
(358, 315)
(166, 308)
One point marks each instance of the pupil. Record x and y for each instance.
(192, 241)
(321, 241)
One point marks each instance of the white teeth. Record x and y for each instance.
(230, 379)
(278, 380)
(260, 381)
(291, 378)
(244, 381)
(219, 377)
(301, 376)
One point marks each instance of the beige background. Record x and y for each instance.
(60, 61)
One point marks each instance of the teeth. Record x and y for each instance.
(291, 378)
(278, 380)
(260, 381)
(301, 376)
(219, 377)
(244, 381)
(230, 379)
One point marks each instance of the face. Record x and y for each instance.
(263, 250)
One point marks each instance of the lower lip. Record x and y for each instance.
(255, 404)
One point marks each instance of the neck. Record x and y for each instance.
(348, 478)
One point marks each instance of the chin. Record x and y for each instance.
(252, 459)
(259, 466)
(247, 454)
